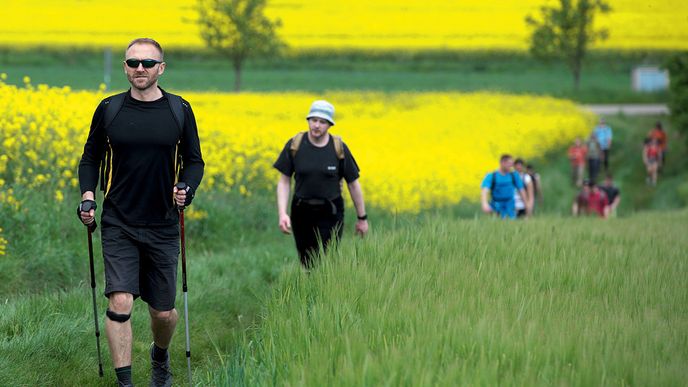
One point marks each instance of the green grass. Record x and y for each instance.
(48, 338)
(481, 302)
(606, 76)
(426, 300)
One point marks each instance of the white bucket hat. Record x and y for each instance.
(322, 109)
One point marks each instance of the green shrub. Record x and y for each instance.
(678, 99)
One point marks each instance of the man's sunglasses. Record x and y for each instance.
(146, 63)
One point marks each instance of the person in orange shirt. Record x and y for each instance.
(658, 133)
(577, 153)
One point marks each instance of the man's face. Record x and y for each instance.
(142, 78)
(318, 127)
(506, 164)
(518, 167)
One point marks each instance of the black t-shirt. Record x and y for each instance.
(144, 140)
(612, 192)
(317, 171)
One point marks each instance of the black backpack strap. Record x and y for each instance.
(494, 181)
(112, 106)
(513, 180)
(177, 106)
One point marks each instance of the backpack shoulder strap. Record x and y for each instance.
(177, 106)
(338, 146)
(493, 184)
(513, 179)
(112, 106)
(296, 143)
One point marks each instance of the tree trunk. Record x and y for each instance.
(237, 74)
(576, 76)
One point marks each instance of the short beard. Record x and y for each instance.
(147, 85)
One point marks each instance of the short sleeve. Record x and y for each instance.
(350, 170)
(285, 163)
(486, 181)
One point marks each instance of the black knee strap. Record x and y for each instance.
(120, 318)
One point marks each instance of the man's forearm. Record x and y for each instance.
(357, 197)
(283, 189)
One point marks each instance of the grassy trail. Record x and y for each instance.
(474, 302)
(48, 339)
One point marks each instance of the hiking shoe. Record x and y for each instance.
(161, 375)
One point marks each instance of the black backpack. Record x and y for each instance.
(112, 105)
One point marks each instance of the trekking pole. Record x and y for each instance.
(86, 206)
(182, 186)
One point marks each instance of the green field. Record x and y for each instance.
(444, 297)
(606, 75)
(474, 302)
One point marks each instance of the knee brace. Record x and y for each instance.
(120, 318)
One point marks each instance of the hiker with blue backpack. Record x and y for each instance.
(501, 186)
(320, 163)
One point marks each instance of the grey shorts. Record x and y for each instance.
(142, 261)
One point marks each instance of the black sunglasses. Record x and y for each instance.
(147, 63)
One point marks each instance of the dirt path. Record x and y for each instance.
(629, 109)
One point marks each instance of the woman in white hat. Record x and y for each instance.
(319, 162)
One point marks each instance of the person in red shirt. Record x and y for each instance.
(652, 153)
(658, 133)
(577, 153)
(598, 202)
(591, 200)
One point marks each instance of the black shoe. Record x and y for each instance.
(161, 375)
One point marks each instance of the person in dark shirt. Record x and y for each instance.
(613, 194)
(319, 162)
(141, 154)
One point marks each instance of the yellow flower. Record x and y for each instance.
(415, 150)
(361, 24)
(59, 196)
(27, 79)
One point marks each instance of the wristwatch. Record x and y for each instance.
(364, 217)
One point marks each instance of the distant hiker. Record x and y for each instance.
(502, 185)
(651, 156)
(537, 185)
(577, 155)
(523, 206)
(319, 162)
(144, 141)
(590, 201)
(613, 194)
(594, 156)
(603, 133)
(658, 133)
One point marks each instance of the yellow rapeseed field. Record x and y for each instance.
(415, 150)
(377, 24)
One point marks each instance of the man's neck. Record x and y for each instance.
(319, 142)
(152, 93)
